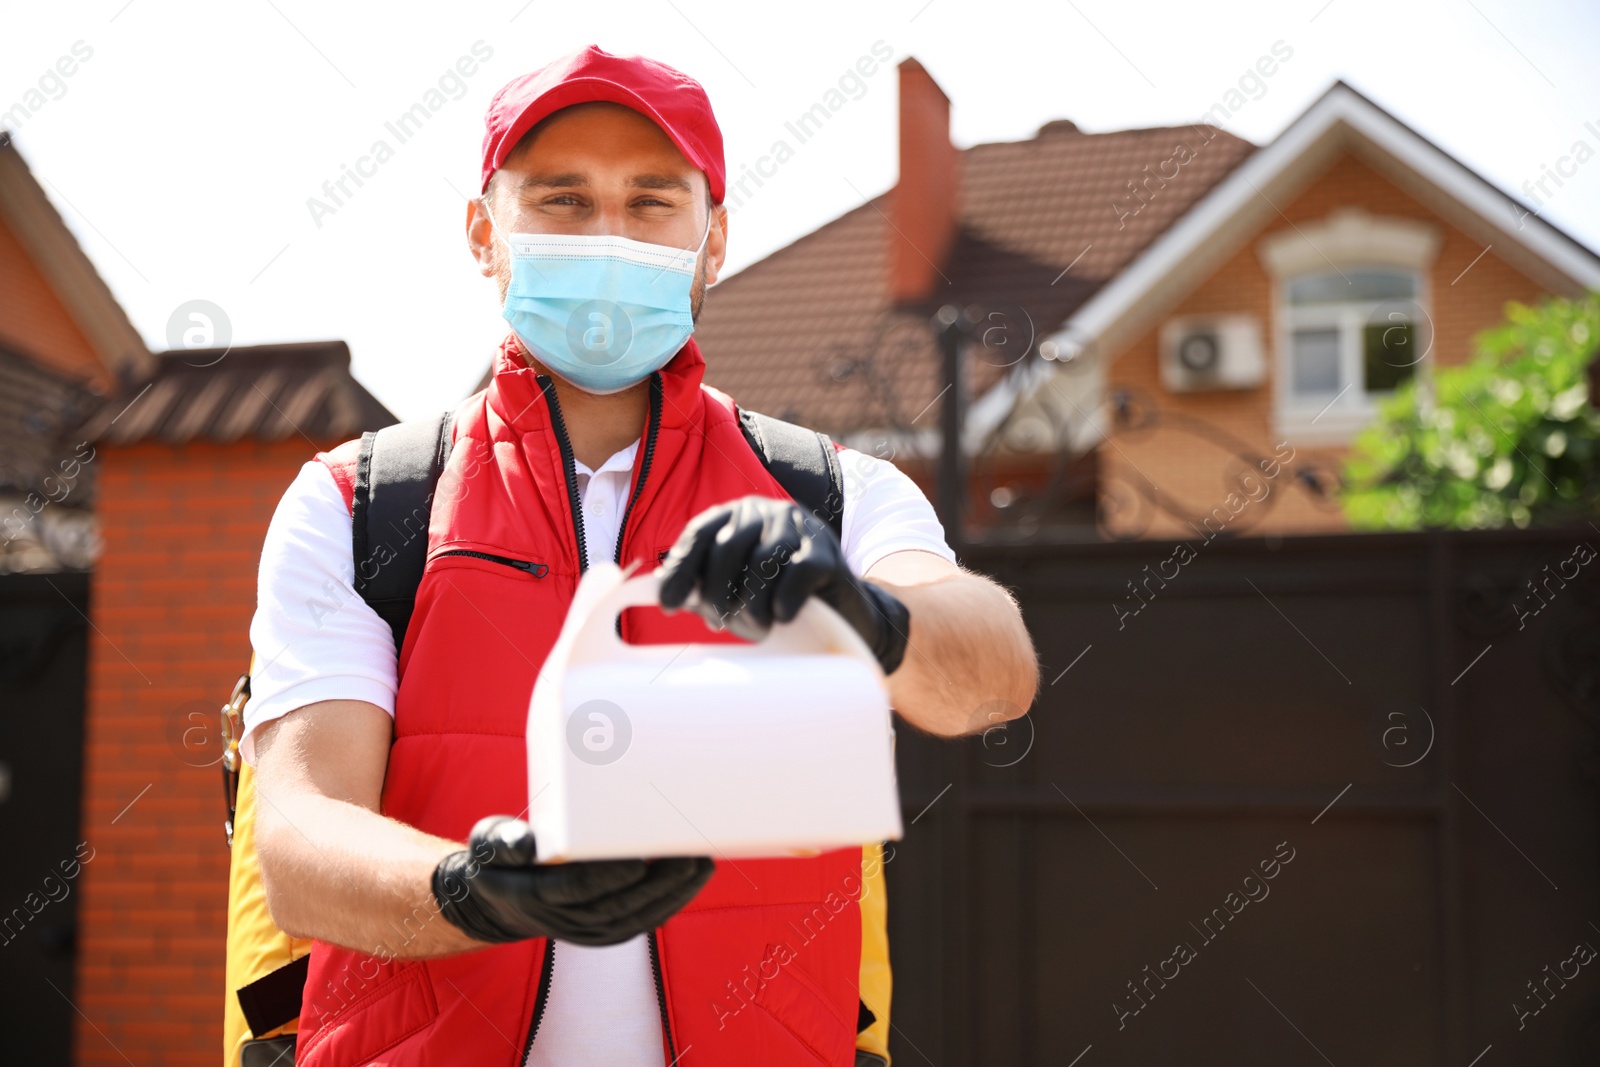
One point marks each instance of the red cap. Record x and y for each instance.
(669, 98)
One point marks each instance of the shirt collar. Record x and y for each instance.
(621, 460)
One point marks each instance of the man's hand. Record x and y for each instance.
(493, 891)
(756, 560)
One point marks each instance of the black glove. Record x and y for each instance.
(492, 890)
(756, 560)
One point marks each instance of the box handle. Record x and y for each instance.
(606, 591)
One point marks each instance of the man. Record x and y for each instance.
(602, 225)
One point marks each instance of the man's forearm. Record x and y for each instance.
(337, 870)
(340, 873)
(969, 663)
(333, 867)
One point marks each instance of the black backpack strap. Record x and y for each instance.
(395, 478)
(803, 461)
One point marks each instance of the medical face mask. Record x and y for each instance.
(602, 312)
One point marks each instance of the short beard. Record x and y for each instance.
(697, 292)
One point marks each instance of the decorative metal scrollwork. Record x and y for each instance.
(1064, 491)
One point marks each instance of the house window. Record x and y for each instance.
(1352, 319)
(1351, 338)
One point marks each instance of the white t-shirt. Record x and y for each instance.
(316, 639)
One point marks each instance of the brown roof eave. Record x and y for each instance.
(261, 392)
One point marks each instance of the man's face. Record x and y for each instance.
(599, 169)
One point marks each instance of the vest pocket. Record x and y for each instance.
(538, 570)
(382, 1019)
(795, 1003)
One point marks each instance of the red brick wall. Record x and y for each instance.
(35, 321)
(171, 601)
(1191, 471)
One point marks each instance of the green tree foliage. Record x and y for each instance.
(1510, 438)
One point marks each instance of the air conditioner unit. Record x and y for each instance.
(1203, 352)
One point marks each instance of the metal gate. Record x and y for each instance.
(1291, 800)
(43, 648)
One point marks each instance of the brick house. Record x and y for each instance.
(1156, 313)
(136, 491)
(191, 468)
(65, 345)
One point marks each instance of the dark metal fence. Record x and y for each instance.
(43, 650)
(1295, 800)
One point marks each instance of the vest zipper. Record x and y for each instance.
(651, 429)
(568, 466)
(541, 997)
(661, 996)
(656, 391)
(538, 570)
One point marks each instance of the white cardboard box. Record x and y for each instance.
(780, 748)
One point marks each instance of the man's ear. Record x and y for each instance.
(480, 236)
(716, 243)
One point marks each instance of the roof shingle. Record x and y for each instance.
(263, 392)
(809, 333)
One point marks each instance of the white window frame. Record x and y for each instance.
(1353, 404)
(1347, 240)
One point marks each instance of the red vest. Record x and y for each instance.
(762, 967)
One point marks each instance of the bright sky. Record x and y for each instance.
(184, 149)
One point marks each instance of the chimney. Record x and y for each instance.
(923, 208)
